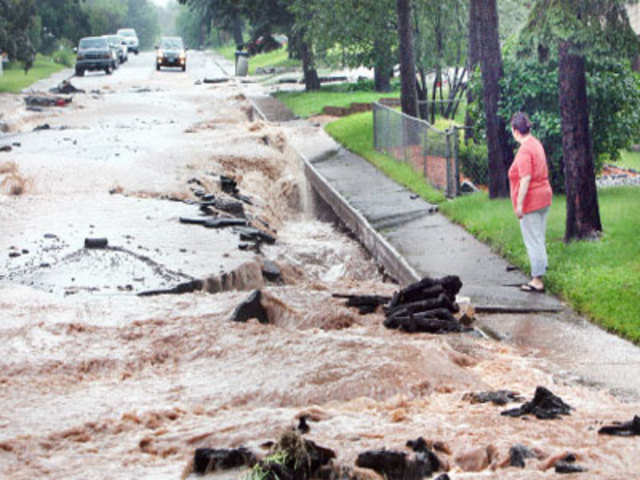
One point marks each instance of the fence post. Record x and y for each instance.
(456, 162)
(447, 136)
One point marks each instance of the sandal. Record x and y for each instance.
(528, 287)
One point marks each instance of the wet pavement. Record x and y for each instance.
(98, 382)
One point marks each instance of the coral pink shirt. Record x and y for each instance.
(531, 161)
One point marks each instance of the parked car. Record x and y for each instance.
(171, 53)
(131, 37)
(115, 41)
(94, 53)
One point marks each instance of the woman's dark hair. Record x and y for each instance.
(520, 122)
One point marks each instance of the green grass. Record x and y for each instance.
(355, 132)
(629, 160)
(228, 51)
(15, 80)
(275, 58)
(600, 279)
(306, 104)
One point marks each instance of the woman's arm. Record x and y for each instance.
(522, 193)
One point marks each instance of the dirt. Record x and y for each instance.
(103, 383)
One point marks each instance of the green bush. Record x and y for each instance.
(64, 56)
(529, 85)
(474, 162)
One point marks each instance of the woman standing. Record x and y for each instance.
(531, 197)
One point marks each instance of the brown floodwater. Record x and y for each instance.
(97, 382)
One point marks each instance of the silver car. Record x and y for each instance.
(131, 38)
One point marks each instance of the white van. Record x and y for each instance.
(131, 39)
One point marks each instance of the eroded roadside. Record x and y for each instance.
(98, 381)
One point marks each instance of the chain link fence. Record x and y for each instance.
(430, 151)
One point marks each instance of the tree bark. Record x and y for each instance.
(473, 61)
(500, 155)
(383, 66)
(237, 29)
(311, 80)
(409, 95)
(583, 214)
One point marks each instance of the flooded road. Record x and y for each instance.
(97, 382)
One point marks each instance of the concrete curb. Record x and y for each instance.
(379, 248)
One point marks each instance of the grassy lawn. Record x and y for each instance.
(629, 160)
(600, 279)
(275, 58)
(228, 51)
(355, 132)
(14, 78)
(306, 104)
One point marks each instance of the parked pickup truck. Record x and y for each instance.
(94, 53)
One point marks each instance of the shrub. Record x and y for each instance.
(474, 162)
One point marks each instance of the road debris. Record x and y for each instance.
(96, 243)
(626, 429)
(208, 460)
(185, 287)
(250, 308)
(364, 303)
(498, 397)
(544, 405)
(46, 101)
(66, 87)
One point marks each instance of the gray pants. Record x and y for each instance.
(534, 226)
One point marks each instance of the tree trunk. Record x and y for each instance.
(409, 95)
(500, 155)
(423, 94)
(583, 215)
(473, 61)
(237, 30)
(383, 65)
(311, 80)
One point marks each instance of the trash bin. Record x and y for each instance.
(242, 63)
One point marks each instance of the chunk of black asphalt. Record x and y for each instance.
(566, 467)
(419, 445)
(271, 271)
(193, 221)
(215, 80)
(185, 287)
(224, 222)
(231, 207)
(627, 429)
(364, 303)
(395, 465)
(6, 148)
(44, 126)
(517, 455)
(228, 185)
(250, 308)
(253, 234)
(303, 427)
(96, 243)
(211, 459)
(498, 397)
(544, 405)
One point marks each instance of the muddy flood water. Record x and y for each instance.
(97, 382)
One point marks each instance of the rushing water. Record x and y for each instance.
(96, 382)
